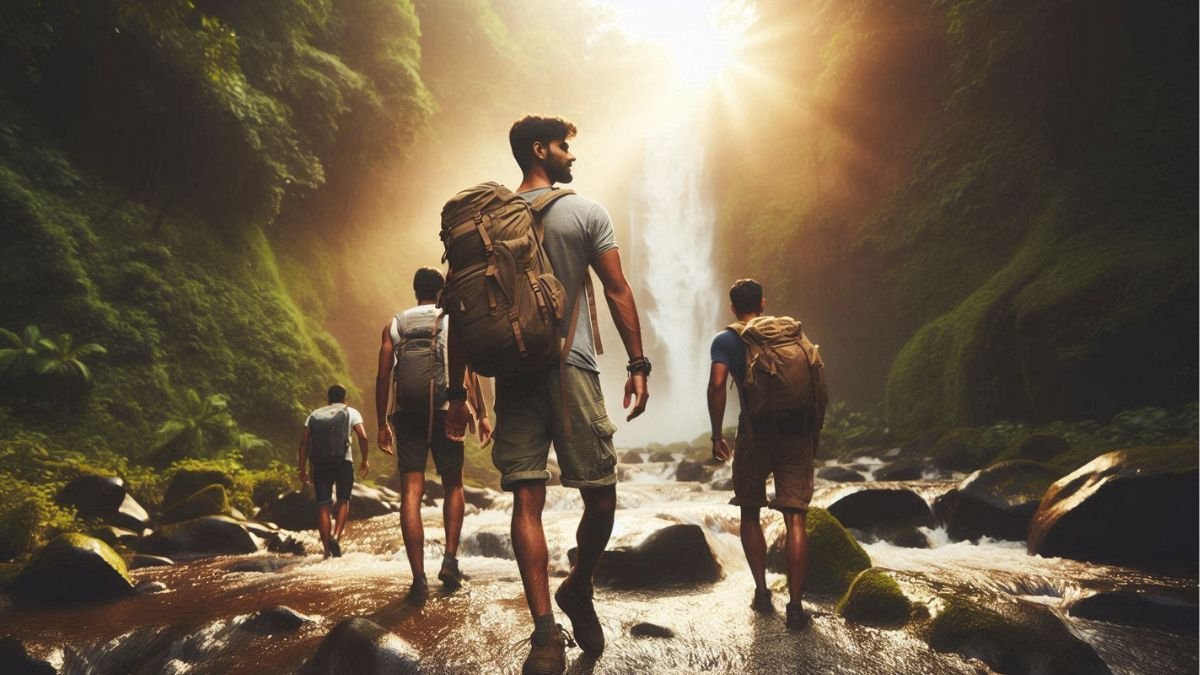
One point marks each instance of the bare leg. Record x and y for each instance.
(529, 544)
(755, 546)
(595, 528)
(452, 509)
(412, 490)
(342, 515)
(797, 554)
(323, 526)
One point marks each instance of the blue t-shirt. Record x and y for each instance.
(728, 348)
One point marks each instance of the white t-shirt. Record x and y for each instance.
(356, 419)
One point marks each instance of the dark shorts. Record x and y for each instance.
(411, 431)
(783, 449)
(529, 417)
(324, 477)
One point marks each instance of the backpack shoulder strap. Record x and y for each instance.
(544, 200)
(397, 328)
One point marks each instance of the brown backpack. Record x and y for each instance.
(504, 302)
(784, 371)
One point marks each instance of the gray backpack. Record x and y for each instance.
(329, 435)
(419, 350)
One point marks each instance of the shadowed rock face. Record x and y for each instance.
(357, 645)
(872, 509)
(210, 535)
(996, 502)
(1128, 507)
(676, 554)
(275, 620)
(104, 497)
(72, 568)
(1139, 609)
(15, 659)
(840, 474)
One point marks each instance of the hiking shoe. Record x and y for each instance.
(449, 575)
(797, 618)
(335, 548)
(762, 601)
(419, 591)
(584, 622)
(549, 658)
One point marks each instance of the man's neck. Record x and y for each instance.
(535, 179)
(745, 318)
(425, 302)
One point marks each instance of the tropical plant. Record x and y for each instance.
(62, 357)
(20, 356)
(197, 424)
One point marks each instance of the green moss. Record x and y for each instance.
(874, 598)
(962, 449)
(64, 544)
(209, 501)
(834, 557)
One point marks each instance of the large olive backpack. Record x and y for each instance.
(504, 302)
(784, 371)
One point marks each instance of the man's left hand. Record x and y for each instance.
(362, 472)
(457, 419)
(637, 391)
(485, 430)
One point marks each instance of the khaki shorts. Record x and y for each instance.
(529, 417)
(411, 431)
(787, 453)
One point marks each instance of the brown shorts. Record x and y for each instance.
(787, 455)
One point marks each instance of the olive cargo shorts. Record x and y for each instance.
(529, 415)
(785, 450)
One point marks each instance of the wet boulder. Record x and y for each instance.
(211, 500)
(1041, 447)
(187, 482)
(662, 456)
(481, 498)
(834, 557)
(366, 502)
(260, 564)
(962, 450)
(1132, 507)
(996, 502)
(840, 474)
(16, 660)
(880, 509)
(104, 498)
(357, 645)
(908, 468)
(690, 471)
(295, 510)
(1015, 637)
(113, 536)
(150, 587)
(434, 489)
(875, 599)
(650, 630)
(199, 537)
(141, 560)
(1139, 609)
(676, 554)
(488, 545)
(275, 621)
(723, 484)
(631, 457)
(72, 568)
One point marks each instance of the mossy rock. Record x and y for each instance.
(834, 557)
(1041, 447)
(209, 501)
(875, 599)
(1019, 638)
(962, 450)
(187, 482)
(905, 468)
(72, 568)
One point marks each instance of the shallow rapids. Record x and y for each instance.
(194, 625)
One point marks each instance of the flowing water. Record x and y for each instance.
(193, 626)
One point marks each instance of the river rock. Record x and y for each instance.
(723, 485)
(275, 621)
(962, 450)
(875, 599)
(489, 545)
(882, 508)
(661, 456)
(388, 493)
(1131, 507)
(834, 557)
(631, 457)
(690, 471)
(211, 500)
(104, 498)
(676, 554)
(996, 502)
(434, 489)
(113, 536)
(150, 587)
(141, 560)
(129, 515)
(295, 510)
(357, 645)
(1014, 638)
(1139, 609)
(72, 568)
(840, 474)
(210, 535)
(650, 630)
(260, 564)
(909, 468)
(187, 482)
(15, 660)
(1042, 447)
(366, 502)
(481, 498)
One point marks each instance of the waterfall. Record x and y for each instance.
(673, 224)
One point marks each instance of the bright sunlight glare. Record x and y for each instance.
(702, 38)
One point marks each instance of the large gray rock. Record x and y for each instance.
(207, 536)
(357, 646)
(295, 510)
(488, 545)
(662, 456)
(996, 502)
(1133, 507)
(275, 621)
(690, 471)
(631, 457)
(72, 568)
(880, 509)
(908, 468)
(104, 498)
(676, 554)
(840, 474)
(482, 498)
(366, 502)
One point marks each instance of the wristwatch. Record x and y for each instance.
(639, 365)
(456, 393)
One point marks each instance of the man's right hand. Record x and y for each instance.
(303, 476)
(458, 417)
(385, 438)
(721, 451)
(637, 390)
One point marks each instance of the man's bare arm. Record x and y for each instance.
(624, 312)
(302, 457)
(717, 377)
(383, 388)
(458, 416)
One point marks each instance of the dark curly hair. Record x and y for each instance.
(746, 296)
(532, 129)
(427, 283)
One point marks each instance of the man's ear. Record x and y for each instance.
(762, 307)
(540, 150)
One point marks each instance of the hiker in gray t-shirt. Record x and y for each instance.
(532, 411)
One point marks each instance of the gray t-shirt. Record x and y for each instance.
(578, 230)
